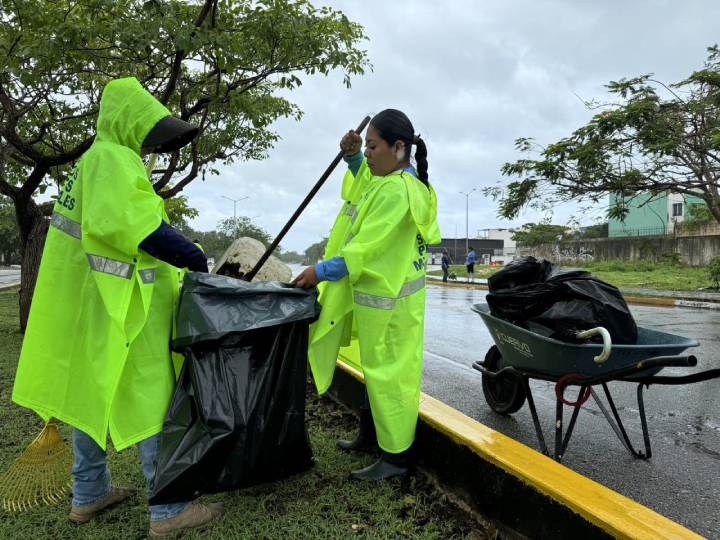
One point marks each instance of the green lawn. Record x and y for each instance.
(481, 271)
(622, 274)
(650, 275)
(321, 503)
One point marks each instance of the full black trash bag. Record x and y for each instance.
(237, 417)
(535, 294)
(520, 272)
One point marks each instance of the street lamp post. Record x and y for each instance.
(235, 201)
(467, 211)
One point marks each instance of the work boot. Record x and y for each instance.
(387, 466)
(84, 513)
(194, 516)
(365, 440)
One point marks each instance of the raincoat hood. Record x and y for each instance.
(127, 113)
(423, 207)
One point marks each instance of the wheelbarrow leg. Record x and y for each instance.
(615, 421)
(643, 421)
(536, 421)
(571, 425)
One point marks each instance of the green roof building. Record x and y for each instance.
(651, 215)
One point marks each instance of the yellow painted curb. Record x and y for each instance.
(614, 513)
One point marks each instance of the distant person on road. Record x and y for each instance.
(374, 285)
(445, 265)
(470, 264)
(96, 354)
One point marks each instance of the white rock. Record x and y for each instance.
(245, 252)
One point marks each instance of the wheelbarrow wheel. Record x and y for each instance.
(504, 394)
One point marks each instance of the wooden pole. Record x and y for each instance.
(251, 274)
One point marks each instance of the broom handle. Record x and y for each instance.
(251, 274)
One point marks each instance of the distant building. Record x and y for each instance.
(484, 248)
(650, 215)
(507, 252)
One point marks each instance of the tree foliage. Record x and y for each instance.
(243, 226)
(291, 257)
(315, 252)
(224, 66)
(533, 234)
(599, 230)
(9, 235)
(179, 211)
(698, 215)
(652, 138)
(228, 67)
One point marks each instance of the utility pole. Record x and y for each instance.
(455, 246)
(235, 201)
(467, 212)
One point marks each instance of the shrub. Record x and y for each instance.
(672, 258)
(714, 271)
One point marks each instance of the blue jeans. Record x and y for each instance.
(91, 476)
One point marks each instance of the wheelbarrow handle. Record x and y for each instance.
(607, 341)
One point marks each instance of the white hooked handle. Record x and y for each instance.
(150, 164)
(607, 341)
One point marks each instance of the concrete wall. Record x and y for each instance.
(711, 228)
(693, 250)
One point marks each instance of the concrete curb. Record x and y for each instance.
(515, 486)
(9, 285)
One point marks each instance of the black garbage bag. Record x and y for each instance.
(559, 301)
(520, 272)
(237, 417)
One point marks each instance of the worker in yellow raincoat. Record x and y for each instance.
(372, 285)
(96, 352)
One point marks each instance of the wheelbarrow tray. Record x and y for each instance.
(535, 353)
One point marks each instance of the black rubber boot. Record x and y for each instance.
(388, 466)
(366, 439)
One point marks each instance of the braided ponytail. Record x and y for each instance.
(421, 159)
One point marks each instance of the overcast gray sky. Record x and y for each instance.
(472, 77)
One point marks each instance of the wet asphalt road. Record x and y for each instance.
(681, 481)
(8, 276)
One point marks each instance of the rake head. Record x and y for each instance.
(41, 474)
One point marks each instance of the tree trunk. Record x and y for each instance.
(33, 229)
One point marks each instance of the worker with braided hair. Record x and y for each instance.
(372, 285)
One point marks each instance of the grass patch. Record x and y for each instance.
(650, 275)
(481, 271)
(321, 503)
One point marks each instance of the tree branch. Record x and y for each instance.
(34, 180)
(169, 171)
(180, 54)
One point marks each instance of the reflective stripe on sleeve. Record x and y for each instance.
(110, 266)
(66, 225)
(98, 262)
(385, 302)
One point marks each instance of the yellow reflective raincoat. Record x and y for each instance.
(96, 350)
(382, 232)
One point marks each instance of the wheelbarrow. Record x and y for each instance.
(521, 354)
